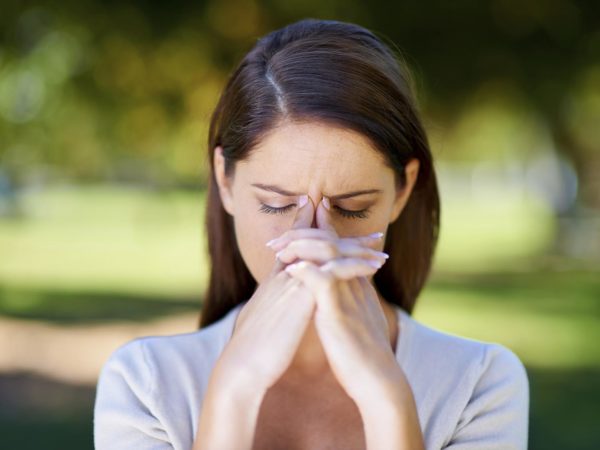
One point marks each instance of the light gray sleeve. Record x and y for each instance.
(124, 409)
(497, 414)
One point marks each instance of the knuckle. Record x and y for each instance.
(328, 267)
(304, 264)
(331, 250)
(288, 235)
(294, 245)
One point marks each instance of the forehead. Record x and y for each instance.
(313, 148)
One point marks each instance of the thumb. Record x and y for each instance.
(303, 219)
(324, 221)
(305, 213)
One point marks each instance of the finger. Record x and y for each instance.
(330, 293)
(304, 214)
(321, 250)
(303, 218)
(278, 267)
(324, 221)
(342, 269)
(319, 282)
(347, 268)
(314, 233)
(373, 240)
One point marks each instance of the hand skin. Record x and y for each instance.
(227, 405)
(265, 338)
(351, 326)
(387, 407)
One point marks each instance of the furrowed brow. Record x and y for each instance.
(280, 190)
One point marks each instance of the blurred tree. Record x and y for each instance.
(547, 53)
(123, 90)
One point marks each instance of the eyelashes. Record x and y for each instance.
(362, 214)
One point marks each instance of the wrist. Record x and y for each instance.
(391, 419)
(387, 387)
(227, 400)
(235, 389)
(235, 384)
(392, 427)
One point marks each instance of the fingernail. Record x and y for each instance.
(278, 254)
(376, 235)
(376, 264)
(271, 242)
(303, 200)
(384, 254)
(291, 267)
(326, 203)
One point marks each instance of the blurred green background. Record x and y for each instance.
(104, 110)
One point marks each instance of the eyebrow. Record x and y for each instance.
(279, 190)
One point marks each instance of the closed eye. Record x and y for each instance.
(361, 214)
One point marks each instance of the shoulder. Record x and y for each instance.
(150, 388)
(143, 360)
(451, 352)
(467, 390)
(208, 342)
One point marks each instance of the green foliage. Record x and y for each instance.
(125, 92)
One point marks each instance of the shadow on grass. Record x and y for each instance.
(39, 413)
(36, 412)
(73, 307)
(568, 294)
(564, 409)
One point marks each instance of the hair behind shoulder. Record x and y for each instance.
(342, 74)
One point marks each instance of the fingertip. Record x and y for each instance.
(323, 215)
(296, 265)
(374, 263)
(304, 215)
(302, 201)
(277, 267)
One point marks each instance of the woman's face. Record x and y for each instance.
(311, 159)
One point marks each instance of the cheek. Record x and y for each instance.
(350, 227)
(253, 230)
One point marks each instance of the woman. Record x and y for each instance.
(306, 339)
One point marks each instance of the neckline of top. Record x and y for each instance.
(405, 326)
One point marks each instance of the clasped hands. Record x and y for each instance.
(348, 316)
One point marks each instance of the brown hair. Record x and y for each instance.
(341, 74)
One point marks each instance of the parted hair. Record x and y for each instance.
(340, 74)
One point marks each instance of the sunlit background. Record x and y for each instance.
(104, 110)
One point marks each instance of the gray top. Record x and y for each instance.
(469, 394)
